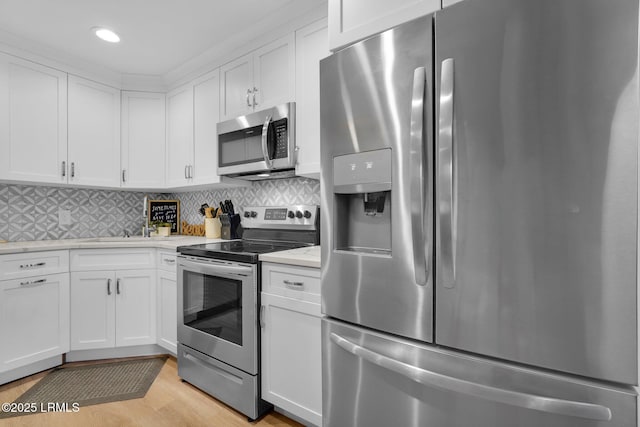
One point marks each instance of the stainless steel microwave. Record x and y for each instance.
(259, 145)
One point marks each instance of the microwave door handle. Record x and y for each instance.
(417, 173)
(265, 148)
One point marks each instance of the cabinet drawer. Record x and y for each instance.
(30, 264)
(166, 260)
(112, 259)
(301, 283)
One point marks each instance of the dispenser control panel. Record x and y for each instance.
(362, 172)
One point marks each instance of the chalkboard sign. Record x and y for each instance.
(165, 211)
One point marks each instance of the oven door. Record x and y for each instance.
(217, 309)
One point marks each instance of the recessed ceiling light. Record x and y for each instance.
(106, 34)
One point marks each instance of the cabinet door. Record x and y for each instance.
(33, 121)
(353, 20)
(236, 79)
(167, 310)
(291, 356)
(206, 93)
(274, 73)
(135, 307)
(93, 310)
(143, 140)
(94, 133)
(34, 319)
(179, 136)
(312, 45)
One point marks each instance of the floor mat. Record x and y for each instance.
(76, 386)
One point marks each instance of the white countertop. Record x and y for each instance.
(308, 256)
(170, 243)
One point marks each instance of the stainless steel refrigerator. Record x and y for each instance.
(480, 235)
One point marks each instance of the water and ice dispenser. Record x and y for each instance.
(362, 191)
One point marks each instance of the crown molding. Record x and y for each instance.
(253, 37)
(258, 35)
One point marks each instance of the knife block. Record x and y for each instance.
(229, 228)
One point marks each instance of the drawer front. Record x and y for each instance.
(301, 283)
(14, 266)
(166, 260)
(112, 259)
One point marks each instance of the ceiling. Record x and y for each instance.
(157, 36)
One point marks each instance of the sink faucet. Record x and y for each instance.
(146, 231)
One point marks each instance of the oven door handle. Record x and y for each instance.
(214, 269)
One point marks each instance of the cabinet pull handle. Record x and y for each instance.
(191, 171)
(64, 168)
(248, 93)
(255, 89)
(39, 264)
(169, 260)
(33, 282)
(185, 171)
(124, 178)
(293, 285)
(261, 316)
(108, 286)
(73, 169)
(118, 286)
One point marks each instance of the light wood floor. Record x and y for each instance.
(169, 402)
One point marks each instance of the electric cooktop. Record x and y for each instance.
(265, 230)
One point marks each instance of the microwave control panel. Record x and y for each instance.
(280, 128)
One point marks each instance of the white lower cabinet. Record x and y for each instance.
(34, 319)
(112, 309)
(167, 302)
(291, 354)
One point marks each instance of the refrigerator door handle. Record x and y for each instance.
(416, 168)
(551, 405)
(446, 165)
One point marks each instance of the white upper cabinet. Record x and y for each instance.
(143, 140)
(33, 122)
(353, 20)
(179, 136)
(94, 133)
(274, 73)
(237, 88)
(206, 100)
(259, 80)
(312, 45)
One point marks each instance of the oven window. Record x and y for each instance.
(213, 305)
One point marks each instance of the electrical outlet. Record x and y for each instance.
(64, 217)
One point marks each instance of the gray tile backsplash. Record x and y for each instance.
(297, 191)
(31, 212)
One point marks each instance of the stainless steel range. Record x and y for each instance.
(218, 303)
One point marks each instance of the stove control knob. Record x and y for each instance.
(291, 214)
(307, 214)
(298, 214)
(254, 214)
(247, 214)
